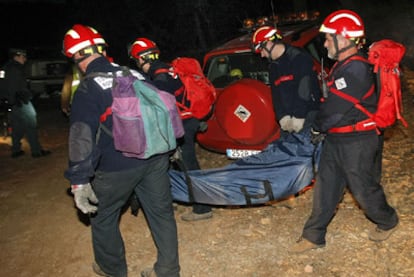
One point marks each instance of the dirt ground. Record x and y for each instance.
(42, 234)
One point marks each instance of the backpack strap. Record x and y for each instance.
(355, 101)
(364, 125)
(108, 110)
(361, 126)
(104, 116)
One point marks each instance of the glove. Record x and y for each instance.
(83, 196)
(297, 124)
(286, 123)
(317, 137)
(203, 127)
(177, 155)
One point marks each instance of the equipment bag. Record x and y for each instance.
(198, 93)
(385, 55)
(145, 120)
(286, 167)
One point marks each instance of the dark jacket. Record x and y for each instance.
(16, 84)
(86, 153)
(294, 84)
(162, 79)
(354, 78)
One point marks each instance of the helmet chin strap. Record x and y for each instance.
(269, 51)
(337, 51)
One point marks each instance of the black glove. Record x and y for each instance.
(317, 137)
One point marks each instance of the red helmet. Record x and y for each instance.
(345, 23)
(264, 34)
(144, 48)
(80, 37)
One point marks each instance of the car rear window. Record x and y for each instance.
(249, 64)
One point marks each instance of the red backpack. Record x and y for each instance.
(197, 90)
(385, 55)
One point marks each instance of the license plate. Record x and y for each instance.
(240, 153)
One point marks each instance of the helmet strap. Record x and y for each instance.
(337, 52)
(269, 51)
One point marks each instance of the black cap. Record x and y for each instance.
(17, 52)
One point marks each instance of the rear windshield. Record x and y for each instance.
(224, 69)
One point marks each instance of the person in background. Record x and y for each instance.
(236, 74)
(351, 145)
(23, 118)
(294, 83)
(103, 179)
(146, 55)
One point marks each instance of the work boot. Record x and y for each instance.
(191, 216)
(148, 272)
(377, 234)
(303, 245)
(97, 269)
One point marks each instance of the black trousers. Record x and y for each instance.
(151, 184)
(191, 127)
(353, 162)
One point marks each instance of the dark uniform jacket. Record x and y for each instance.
(16, 84)
(355, 78)
(294, 84)
(161, 77)
(86, 153)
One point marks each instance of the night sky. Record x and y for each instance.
(42, 24)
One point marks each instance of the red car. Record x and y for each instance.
(243, 121)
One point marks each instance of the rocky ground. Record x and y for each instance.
(41, 233)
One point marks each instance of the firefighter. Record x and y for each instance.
(98, 172)
(351, 151)
(294, 83)
(146, 53)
